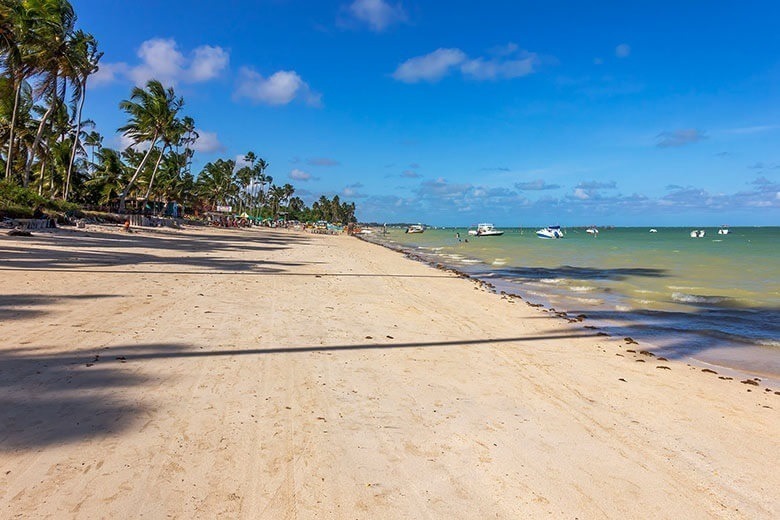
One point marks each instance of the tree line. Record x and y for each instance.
(48, 147)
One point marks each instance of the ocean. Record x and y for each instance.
(715, 299)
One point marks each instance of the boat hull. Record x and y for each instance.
(549, 233)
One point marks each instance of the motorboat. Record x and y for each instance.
(724, 230)
(485, 230)
(592, 231)
(698, 233)
(415, 228)
(550, 232)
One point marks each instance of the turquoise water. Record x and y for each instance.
(715, 299)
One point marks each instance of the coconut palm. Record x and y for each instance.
(85, 49)
(95, 141)
(52, 56)
(216, 182)
(109, 175)
(15, 37)
(152, 113)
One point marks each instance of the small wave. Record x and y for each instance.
(551, 281)
(581, 288)
(589, 301)
(470, 261)
(696, 298)
(499, 262)
(622, 308)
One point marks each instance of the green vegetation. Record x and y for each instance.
(52, 159)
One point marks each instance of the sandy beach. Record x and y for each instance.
(274, 374)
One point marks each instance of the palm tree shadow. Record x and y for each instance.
(57, 398)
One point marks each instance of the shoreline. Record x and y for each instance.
(735, 367)
(271, 373)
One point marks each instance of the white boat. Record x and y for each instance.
(653, 230)
(724, 230)
(592, 231)
(550, 232)
(698, 233)
(415, 228)
(485, 230)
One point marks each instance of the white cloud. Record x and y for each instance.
(481, 69)
(161, 59)
(241, 161)
(430, 67)
(107, 73)
(377, 14)
(581, 194)
(124, 142)
(280, 88)
(300, 175)
(207, 142)
(507, 62)
(623, 50)
(208, 62)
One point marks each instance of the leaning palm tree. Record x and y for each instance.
(85, 50)
(152, 113)
(15, 59)
(52, 55)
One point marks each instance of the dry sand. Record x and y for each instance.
(262, 374)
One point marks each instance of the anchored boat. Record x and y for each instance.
(485, 230)
(550, 232)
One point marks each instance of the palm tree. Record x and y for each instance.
(52, 56)
(93, 140)
(216, 182)
(85, 48)
(15, 36)
(109, 175)
(152, 113)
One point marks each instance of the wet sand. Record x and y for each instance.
(273, 374)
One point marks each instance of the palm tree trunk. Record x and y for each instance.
(9, 159)
(154, 172)
(129, 186)
(75, 138)
(40, 177)
(38, 136)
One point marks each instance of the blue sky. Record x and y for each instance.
(521, 113)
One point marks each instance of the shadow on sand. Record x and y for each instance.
(101, 249)
(49, 399)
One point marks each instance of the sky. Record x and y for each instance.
(520, 113)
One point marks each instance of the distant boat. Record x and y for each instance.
(485, 230)
(698, 233)
(724, 230)
(592, 230)
(653, 230)
(415, 228)
(550, 232)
